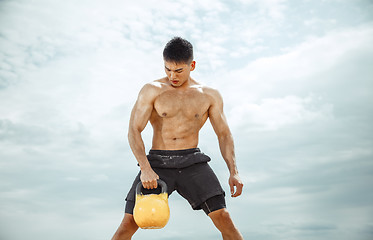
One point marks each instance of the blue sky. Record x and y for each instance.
(296, 77)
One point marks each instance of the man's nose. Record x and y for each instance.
(172, 75)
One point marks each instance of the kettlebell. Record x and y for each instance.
(151, 211)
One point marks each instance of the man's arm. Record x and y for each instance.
(219, 123)
(140, 115)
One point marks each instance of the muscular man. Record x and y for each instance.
(177, 107)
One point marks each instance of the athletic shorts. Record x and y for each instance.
(197, 183)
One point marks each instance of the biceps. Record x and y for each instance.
(219, 122)
(140, 116)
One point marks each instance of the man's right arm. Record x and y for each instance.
(140, 116)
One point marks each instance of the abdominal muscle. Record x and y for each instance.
(172, 134)
(175, 143)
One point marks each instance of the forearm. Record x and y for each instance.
(226, 145)
(148, 177)
(227, 149)
(138, 148)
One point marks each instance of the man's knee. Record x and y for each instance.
(129, 223)
(224, 223)
(221, 216)
(127, 228)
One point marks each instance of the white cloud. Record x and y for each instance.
(100, 178)
(317, 21)
(272, 114)
(272, 8)
(299, 79)
(315, 55)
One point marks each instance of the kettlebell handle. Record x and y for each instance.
(160, 183)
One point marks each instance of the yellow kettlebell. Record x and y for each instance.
(151, 211)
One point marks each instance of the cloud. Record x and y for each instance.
(311, 71)
(22, 134)
(272, 8)
(272, 114)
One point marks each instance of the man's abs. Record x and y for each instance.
(170, 134)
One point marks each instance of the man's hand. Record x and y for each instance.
(235, 181)
(149, 178)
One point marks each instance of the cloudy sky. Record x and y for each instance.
(296, 77)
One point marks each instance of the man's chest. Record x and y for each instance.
(190, 104)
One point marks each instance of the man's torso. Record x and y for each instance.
(178, 115)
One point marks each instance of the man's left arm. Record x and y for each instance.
(226, 144)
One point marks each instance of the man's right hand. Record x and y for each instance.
(149, 178)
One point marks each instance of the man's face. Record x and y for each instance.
(178, 73)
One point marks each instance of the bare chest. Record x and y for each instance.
(189, 104)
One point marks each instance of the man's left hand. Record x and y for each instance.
(235, 181)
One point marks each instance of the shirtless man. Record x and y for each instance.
(177, 107)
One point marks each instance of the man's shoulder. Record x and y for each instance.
(210, 91)
(151, 90)
(203, 87)
(155, 84)
(153, 87)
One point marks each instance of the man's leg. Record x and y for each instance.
(127, 228)
(225, 225)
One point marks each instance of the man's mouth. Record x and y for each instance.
(175, 82)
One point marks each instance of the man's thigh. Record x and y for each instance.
(198, 183)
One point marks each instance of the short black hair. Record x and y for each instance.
(178, 50)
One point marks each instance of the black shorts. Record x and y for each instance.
(196, 183)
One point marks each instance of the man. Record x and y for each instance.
(177, 107)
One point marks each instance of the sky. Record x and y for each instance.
(296, 78)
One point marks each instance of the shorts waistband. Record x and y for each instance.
(181, 152)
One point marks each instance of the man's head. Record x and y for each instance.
(178, 50)
(178, 61)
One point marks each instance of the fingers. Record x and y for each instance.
(232, 189)
(150, 184)
(239, 187)
(238, 190)
(149, 179)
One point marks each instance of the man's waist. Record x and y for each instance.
(176, 158)
(180, 152)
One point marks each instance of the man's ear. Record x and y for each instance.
(192, 65)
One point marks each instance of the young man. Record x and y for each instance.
(177, 107)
